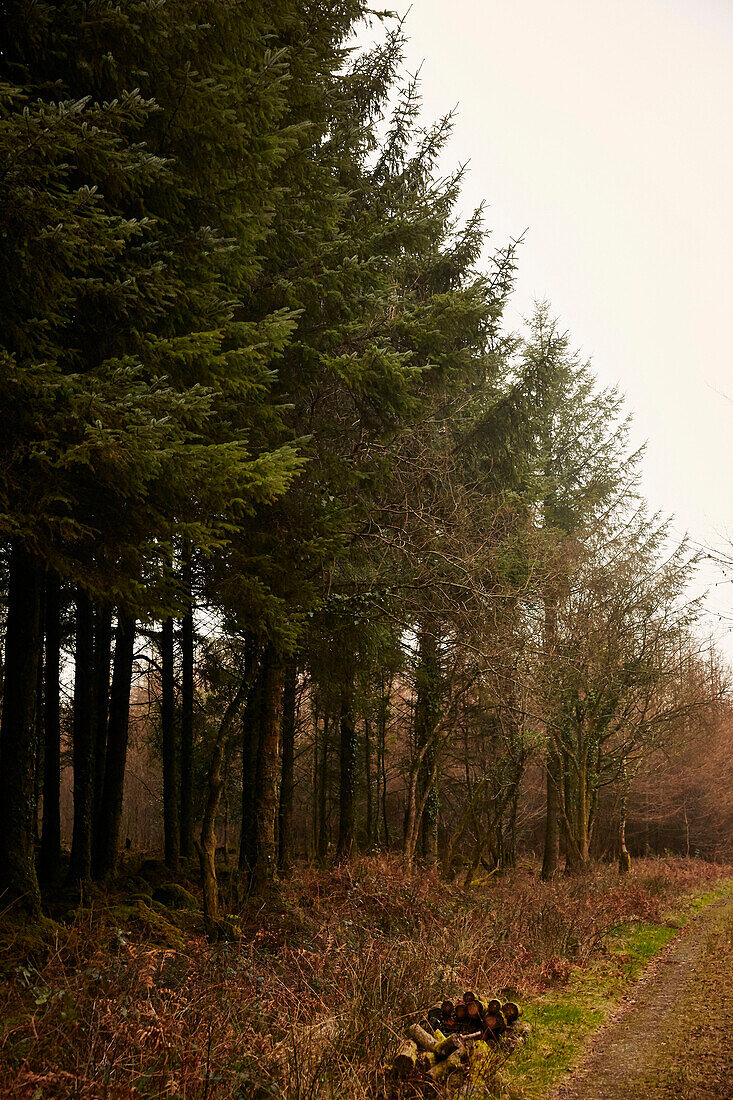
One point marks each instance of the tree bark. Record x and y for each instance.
(415, 808)
(18, 881)
(80, 867)
(264, 872)
(314, 784)
(251, 723)
(427, 709)
(187, 702)
(384, 701)
(110, 813)
(206, 845)
(171, 756)
(50, 854)
(347, 779)
(624, 859)
(322, 849)
(102, 660)
(39, 727)
(287, 779)
(577, 815)
(552, 762)
(552, 815)
(370, 818)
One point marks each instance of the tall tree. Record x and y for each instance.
(50, 853)
(17, 858)
(579, 468)
(188, 694)
(110, 812)
(287, 774)
(171, 753)
(102, 659)
(80, 866)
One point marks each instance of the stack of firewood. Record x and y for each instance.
(442, 1041)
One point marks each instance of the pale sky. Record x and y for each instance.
(603, 128)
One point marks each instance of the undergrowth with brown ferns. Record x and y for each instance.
(307, 1000)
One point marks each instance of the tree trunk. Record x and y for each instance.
(80, 867)
(251, 722)
(171, 757)
(411, 828)
(427, 710)
(102, 659)
(552, 815)
(50, 854)
(225, 800)
(510, 853)
(323, 794)
(314, 785)
(206, 845)
(577, 820)
(39, 727)
(430, 816)
(383, 707)
(18, 881)
(264, 873)
(415, 808)
(370, 817)
(110, 811)
(287, 780)
(347, 781)
(187, 702)
(552, 763)
(624, 859)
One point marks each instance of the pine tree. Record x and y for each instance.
(131, 228)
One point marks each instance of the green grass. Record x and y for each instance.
(563, 1020)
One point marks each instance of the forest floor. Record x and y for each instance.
(118, 994)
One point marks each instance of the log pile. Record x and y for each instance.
(442, 1042)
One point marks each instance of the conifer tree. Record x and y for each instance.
(579, 468)
(131, 387)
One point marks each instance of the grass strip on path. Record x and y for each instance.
(563, 1020)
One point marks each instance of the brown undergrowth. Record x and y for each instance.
(124, 998)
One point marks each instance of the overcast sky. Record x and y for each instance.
(603, 128)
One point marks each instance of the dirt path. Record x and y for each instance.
(660, 1044)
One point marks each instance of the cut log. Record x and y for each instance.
(493, 1006)
(495, 1023)
(448, 1045)
(447, 1008)
(468, 997)
(461, 1012)
(422, 1037)
(405, 1059)
(511, 1011)
(474, 1012)
(446, 1066)
(426, 1060)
